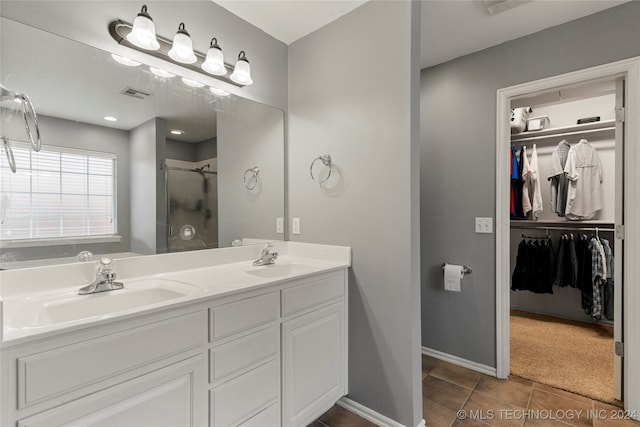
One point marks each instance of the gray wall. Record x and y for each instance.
(87, 22)
(458, 133)
(191, 152)
(248, 139)
(340, 103)
(147, 202)
(65, 133)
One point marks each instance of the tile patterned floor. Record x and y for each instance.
(458, 397)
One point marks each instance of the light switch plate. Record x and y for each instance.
(280, 225)
(484, 225)
(295, 226)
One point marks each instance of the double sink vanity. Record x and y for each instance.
(192, 339)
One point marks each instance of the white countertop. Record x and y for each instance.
(29, 294)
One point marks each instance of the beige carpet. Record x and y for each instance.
(565, 354)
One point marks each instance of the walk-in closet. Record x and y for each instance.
(566, 178)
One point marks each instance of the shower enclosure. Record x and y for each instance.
(192, 208)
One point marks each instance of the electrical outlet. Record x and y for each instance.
(484, 225)
(295, 226)
(280, 225)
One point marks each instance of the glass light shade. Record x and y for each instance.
(192, 83)
(161, 73)
(143, 33)
(214, 63)
(124, 60)
(219, 92)
(242, 71)
(182, 48)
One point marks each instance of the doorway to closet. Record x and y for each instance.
(563, 206)
(560, 266)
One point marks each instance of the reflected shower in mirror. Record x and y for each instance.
(134, 161)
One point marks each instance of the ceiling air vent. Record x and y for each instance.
(135, 93)
(498, 6)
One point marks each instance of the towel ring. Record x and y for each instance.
(251, 174)
(9, 154)
(326, 160)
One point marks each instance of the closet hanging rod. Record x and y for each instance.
(555, 136)
(560, 228)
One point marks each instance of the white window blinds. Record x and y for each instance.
(57, 193)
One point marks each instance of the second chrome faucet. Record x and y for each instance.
(268, 255)
(104, 281)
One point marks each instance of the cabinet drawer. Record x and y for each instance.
(242, 398)
(171, 396)
(50, 373)
(240, 355)
(242, 315)
(270, 417)
(315, 293)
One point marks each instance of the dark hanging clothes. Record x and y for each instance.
(516, 185)
(567, 263)
(607, 286)
(534, 267)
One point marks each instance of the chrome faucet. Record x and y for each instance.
(268, 255)
(105, 279)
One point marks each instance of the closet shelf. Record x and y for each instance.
(587, 130)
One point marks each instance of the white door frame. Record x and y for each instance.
(630, 69)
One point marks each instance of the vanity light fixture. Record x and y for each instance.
(192, 83)
(214, 63)
(182, 48)
(219, 92)
(110, 118)
(242, 71)
(161, 73)
(141, 36)
(143, 32)
(124, 60)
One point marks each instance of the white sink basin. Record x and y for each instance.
(277, 270)
(67, 306)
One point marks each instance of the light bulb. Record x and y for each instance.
(124, 60)
(161, 73)
(242, 71)
(192, 83)
(219, 92)
(214, 63)
(182, 48)
(143, 32)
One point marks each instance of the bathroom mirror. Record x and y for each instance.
(181, 168)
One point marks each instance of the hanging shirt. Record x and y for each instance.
(597, 277)
(559, 181)
(526, 182)
(534, 177)
(584, 170)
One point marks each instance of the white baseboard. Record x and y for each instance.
(474, 366)
(370, 414)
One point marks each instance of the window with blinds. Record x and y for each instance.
(57, 193)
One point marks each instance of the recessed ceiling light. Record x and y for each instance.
(161, 73)
(192, 83)
(110, 119)
(219, 92)
(176, 132)
(124, 60)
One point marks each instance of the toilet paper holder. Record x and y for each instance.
(466, 269)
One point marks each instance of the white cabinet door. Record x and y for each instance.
(313, 363)
(174, 396)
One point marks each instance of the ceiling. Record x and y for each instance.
(450, 28)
